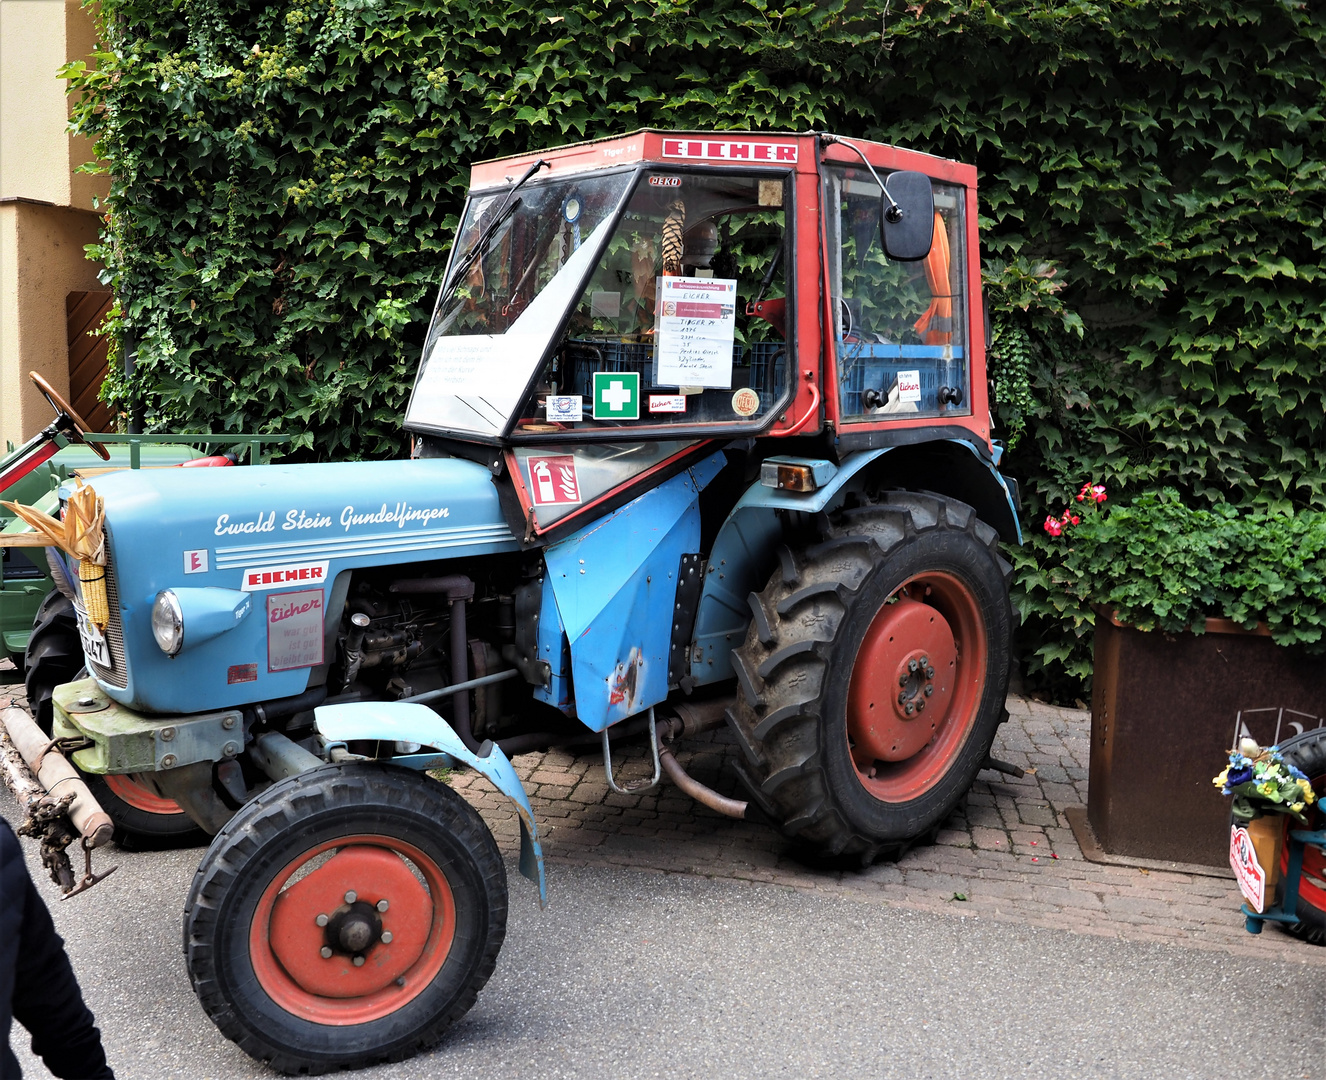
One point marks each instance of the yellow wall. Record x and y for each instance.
(41, 263)
(41, 246)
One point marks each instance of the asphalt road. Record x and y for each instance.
(631, 974)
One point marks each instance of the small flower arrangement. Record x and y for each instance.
(1262, 781)
(1056, 525)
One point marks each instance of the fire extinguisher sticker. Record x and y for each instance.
(553, 480)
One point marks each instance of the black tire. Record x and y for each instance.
(1308, 752)
(246, 976)
(798, 676)
(54, 656)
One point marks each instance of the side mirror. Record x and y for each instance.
(907, 216)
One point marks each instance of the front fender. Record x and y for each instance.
(403, 721)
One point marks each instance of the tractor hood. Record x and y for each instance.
(284, 536)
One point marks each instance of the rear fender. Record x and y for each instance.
(745, 551)
(411, 722)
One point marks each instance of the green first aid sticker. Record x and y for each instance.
(616, 395)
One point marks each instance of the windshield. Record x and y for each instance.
(493, 326)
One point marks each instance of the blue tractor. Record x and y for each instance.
(700, 436)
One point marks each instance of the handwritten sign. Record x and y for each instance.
(696, 328)
(294, 629)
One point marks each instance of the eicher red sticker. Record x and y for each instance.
(1243, 858)
(909, 386)
(553, 480)
(270, 577)
(667, 403)
(294, 629)
(195, 562)
(241, 673)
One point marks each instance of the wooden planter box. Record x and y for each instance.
(1165, 710)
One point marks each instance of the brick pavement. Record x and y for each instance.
(1009, 851)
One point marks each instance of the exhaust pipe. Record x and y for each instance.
(56, 775)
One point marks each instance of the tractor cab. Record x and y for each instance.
(612, 308)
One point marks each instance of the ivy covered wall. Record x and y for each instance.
(286, 176)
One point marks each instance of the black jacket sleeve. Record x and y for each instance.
(46, 998)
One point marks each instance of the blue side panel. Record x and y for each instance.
(301, 526)
(556, 651)
(615, 584)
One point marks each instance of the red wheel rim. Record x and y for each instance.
(916, 686)
(285, 938)
(126, 788)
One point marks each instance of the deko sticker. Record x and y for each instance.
(553, 480)
(294, 629)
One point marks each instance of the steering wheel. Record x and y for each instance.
(63, 408)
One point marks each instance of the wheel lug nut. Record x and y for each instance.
(351, 896)
(920, 706)
(386, 937)
(400, 980)
(326, 952)
(910, 708)
(929, 689)
(925, 661)
(322, 920)
(902, 699)
(912, 665)
(902, 680)
(359, 961)
(929, 673)
(382, 905)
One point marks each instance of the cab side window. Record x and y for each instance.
(900, 329)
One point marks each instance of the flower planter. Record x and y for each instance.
(1163, 708)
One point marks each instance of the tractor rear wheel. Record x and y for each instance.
(345, 916)
(142, 818)
(874, 675)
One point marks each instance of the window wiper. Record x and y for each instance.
(504, 212)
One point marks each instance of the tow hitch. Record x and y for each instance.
(60, 809)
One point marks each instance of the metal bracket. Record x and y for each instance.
(89, 878)
(639, 786)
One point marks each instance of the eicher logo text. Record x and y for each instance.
(261, 578)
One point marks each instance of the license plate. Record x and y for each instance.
(94, 644)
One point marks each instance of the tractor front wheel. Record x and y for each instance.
(874, 674)
(347, 915)
(142, 818)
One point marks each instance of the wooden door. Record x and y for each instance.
(87, 357)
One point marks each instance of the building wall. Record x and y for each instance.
(46, 209)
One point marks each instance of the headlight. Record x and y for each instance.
(168, 622)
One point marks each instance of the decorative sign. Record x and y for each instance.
(195, 562)
(665, 181)
(294, 630)
(1243, 858)
(553, 480)
(617, 395)
(727, 150)
(566, 408)
(270, 577)
(664, 403)
(909, 386)
(696, 328)
(746, 402)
